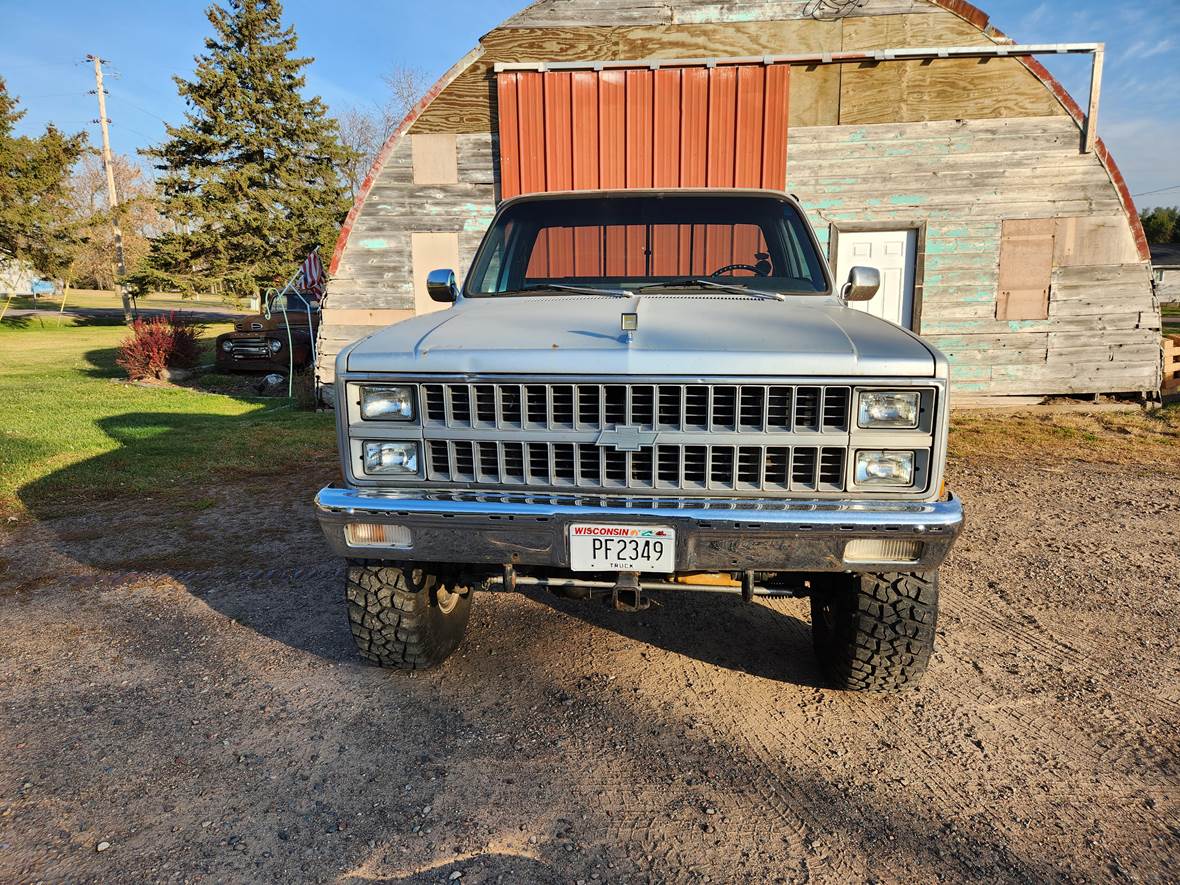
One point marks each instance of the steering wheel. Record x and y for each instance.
(730, 268)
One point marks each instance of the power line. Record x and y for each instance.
(1160, 191)
(126, 100)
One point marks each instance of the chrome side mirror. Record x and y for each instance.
(862, 285)
(441, 286)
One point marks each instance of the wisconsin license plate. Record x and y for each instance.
(607, 547)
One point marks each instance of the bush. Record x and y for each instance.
(171, 342)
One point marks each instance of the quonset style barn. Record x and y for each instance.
(1004, 231)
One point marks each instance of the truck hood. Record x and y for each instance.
(693, 335)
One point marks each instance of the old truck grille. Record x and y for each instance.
(738, 438)
(250, 347)
(673, 407)
(661, 467)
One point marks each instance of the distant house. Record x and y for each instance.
(17, 278)
(1165, 262)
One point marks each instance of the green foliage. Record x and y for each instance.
(35, 213)
(1162, 225)
(252, 180)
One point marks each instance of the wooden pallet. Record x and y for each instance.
(1171, 383)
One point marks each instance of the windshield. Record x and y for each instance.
(293, 301)
(624, 242)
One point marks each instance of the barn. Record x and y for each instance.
(918, 138)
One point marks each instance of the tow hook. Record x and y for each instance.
(628, 595)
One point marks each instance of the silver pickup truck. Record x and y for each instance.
(639, 392)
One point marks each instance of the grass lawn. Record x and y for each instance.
(72, 430)
(1171, 314)
(1151, 439)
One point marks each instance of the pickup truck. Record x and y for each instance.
(277, 339)
(640, 392)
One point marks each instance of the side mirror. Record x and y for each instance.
(862, 285)
(441, 286)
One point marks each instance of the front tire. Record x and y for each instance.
(405, 617)
(875, 632)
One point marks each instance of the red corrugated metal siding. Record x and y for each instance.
(724, 126)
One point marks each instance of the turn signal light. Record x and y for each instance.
(368, 534)
(883, 550)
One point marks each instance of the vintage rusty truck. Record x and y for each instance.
(646, 391)
(279, 338)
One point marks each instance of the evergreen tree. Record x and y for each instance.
(36, 221)
(251, 182)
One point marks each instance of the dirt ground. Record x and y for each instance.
(180, 691)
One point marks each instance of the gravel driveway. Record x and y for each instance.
(181, 701)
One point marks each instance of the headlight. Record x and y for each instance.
(398, 458)
(227, 346)
(387, 403)
(889, 408)
(275, 345)
(894, 469)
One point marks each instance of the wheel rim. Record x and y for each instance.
(446, 600)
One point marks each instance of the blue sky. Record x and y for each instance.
(355, 41)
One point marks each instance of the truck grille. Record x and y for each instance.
(251, 347)
(661, 467)
(757, 408)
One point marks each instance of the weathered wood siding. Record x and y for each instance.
(376, 271)
(572, 13)
(963, 179)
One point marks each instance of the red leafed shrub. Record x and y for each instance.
(158, 343)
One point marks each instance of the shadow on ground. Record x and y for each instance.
(261, 531)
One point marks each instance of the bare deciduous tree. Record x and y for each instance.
(365, 130)
(139, 218)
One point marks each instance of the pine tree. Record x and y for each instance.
(36, 224)
(251, 182)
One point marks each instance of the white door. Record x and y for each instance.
(893, 253)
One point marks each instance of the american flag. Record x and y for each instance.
(312, 278)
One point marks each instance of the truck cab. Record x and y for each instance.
(643, 392)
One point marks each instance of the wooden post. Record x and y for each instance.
(1095, 95)
(112, 197)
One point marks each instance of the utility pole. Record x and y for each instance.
(112, 197)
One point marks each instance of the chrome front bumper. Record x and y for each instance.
(711, 534)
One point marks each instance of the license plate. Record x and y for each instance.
(606, 547)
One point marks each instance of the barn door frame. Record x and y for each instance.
(919, 225)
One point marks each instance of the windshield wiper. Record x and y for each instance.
(733, 288)
(578, 290)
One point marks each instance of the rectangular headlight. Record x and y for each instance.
(889, 408)
(391, 458)
(879, 468)
(393, 403)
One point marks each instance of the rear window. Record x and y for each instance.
(617, 242)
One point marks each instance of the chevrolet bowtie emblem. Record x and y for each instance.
(626, 438)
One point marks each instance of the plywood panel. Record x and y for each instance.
(467, 104)
(1088, 240)
(435, 158)
(432, 251)
(815, 95)
(951, 89)
(1026, 269)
